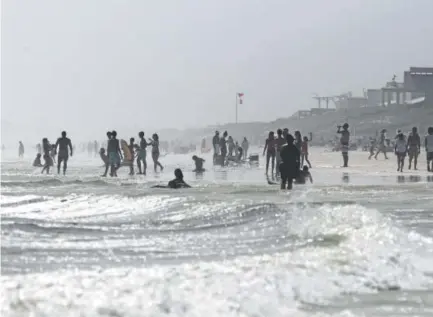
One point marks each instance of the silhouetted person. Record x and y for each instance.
(37, 162)
(303, 176)
(344, 143)
(131, 148)
(142, 153)
(289, 168)
(114, 154)
(216, 145)
(155, 152)
(223, 148)
(104, 156)
(270, 150)
(46, 147)
(245, 145)
(21, 150)
(413, 147)
(178, 182)
(198, 161)
(63, 143)
(428, 143)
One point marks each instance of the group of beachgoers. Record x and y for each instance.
(285, 154)
(115, 156)
(405, 145)
(63, 148)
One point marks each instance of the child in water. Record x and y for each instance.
(198, 163)
(303, 175)
(37, 162)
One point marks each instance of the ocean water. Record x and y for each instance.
(357, 242)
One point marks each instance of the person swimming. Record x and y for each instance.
(37, 162)
(198, 161)
(303, 176)
(176, 183)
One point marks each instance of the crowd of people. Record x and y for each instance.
(284, 154)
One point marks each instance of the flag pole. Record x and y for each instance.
(236, 108)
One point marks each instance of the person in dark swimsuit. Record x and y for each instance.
(270, 150)
(131, 148)
(63, 143)
(289, 168)
(46, 147)
(280, 142)
(223, 148)
(176, 183)
(198, 161)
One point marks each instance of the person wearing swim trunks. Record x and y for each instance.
(114, 154)
(428, 143)
(270, 150)
(400, 150)
(289, 167)
(155, 152)
(63, 143)
(344, 142)
(413, 147)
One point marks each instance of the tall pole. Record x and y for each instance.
(236, 108)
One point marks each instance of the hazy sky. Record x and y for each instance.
(91, 65)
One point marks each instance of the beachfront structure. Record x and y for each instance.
(417, 86)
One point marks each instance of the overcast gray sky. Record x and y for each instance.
(91, 65)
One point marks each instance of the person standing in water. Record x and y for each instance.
(298, 140)
(114, 154)
(215, 143)
(131, 148)
(198, 161)
(344, 142)
(304, 150)
(414, 147)
(21, 150)
(428, 143)
(270, 149)
(141, 157)
(382, 143)
(231, 145)
(279, 142)
(155, 152)
(46, 147)
(63, 143)
(245, 145)
(400, 150)
(104, 156)
(289, 167)
(223, 148)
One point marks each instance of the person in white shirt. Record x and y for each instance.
(428, 143)
(400, 150)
